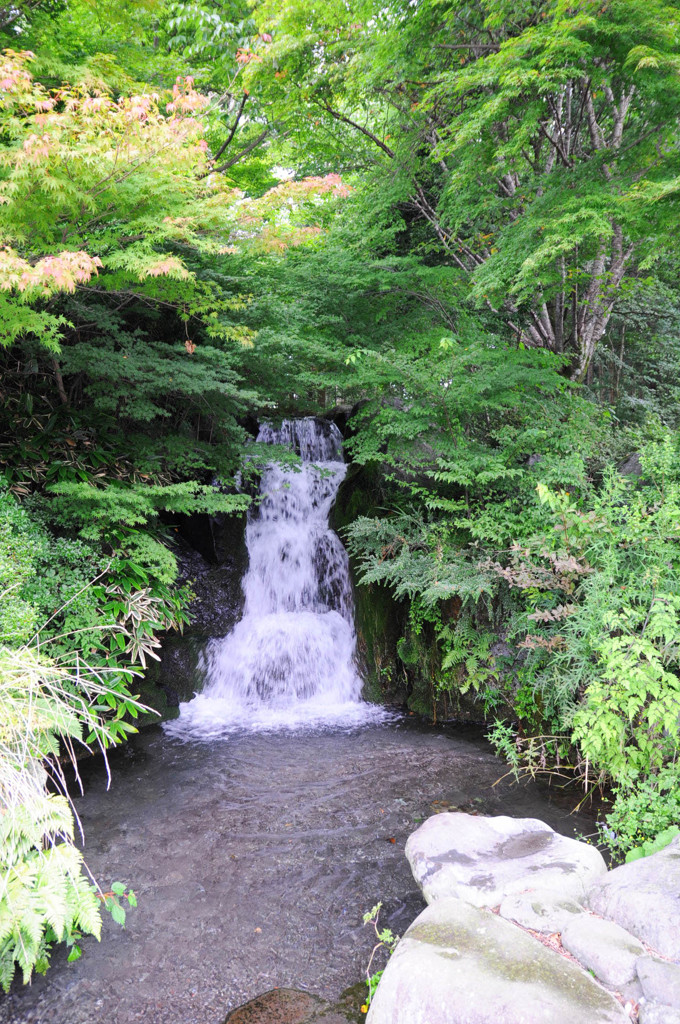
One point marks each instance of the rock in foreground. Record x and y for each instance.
(458, 964)
(482, 860)
(644, 898)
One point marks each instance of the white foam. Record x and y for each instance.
(290, 662)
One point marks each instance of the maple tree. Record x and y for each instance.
(530, 144)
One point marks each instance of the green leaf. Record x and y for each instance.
(118, 914)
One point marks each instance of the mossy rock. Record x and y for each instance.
(288, 1006)
(460, 963)
(379, 617)
(171, 681)
(399, 666)
(381, 620)
(215, 579)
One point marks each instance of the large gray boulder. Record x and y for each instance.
(660, 980)
(644, 898)
(604, 948)
(483, 860)
(459, 964)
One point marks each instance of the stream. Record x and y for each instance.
(254, 859)
(259, 827)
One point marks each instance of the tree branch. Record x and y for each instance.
(555, 144)
(235, 159)
(353, 124)
(224, 145)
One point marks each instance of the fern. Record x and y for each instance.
(45, 895)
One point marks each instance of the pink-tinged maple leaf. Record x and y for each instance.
(37, 147)
(245, 56)
(50, 274)
(185, 99)
(96, 104)
(169, 266)
(14, 78)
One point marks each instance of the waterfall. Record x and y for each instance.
(290, 660)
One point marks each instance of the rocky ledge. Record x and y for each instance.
(526, 926)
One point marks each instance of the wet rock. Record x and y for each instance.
(630, 466)
(658, 1013)
(279, 1006)
(216, 607)
(398, 663)
(349, 1004)
(483, 860)
(604, 948)
(288, 1006)
(660, 980)
(219, 538)
(542, 910)
(339, 414)
(644, 898)
(216, 584)
(459, 964)
(380, 619)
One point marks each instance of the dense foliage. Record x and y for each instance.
(456, 219)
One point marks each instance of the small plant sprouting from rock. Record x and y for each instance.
(387, 939)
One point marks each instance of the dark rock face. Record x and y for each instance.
(398, 665)
(379, 618)
(340, 415)
(216, 582)
(219, 539)
(212, 556)
(630, 466)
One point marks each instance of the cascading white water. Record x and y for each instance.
(290, 661)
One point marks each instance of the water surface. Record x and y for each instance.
(254, 858)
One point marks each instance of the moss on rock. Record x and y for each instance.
(399, 665)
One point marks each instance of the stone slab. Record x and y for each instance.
(644, 898)
(657, 1013)
(483, 860)
(460, 964)
(660, 980)
(542, 910)
(603, 947)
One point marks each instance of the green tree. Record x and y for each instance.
(522, 138)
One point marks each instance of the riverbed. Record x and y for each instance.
(254, 857)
